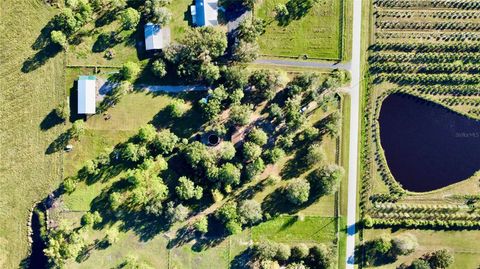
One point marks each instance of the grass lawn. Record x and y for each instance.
(27, 174)
(318, 33)
(464, 244)
(289, 229)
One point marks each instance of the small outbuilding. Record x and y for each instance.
(205, 12)
(156, 37)
(86, 94)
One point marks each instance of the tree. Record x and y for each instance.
(69, 185)
(274, 155)
(283, 252)
(333, 125)
(176, 213)
(165, 141)
(129, 18)
(266, 250)
(240, 114)
(198, 155)
(130, 153)
(249, 30)
(326, 179)
(315, 155)
(147, 133)
(159, 69)
(157, 12)
(201, 225)
(275, 112)
(281, 12)
(111, 236)
(59, 38)
(176, 108)
(77, 129)
(296, 265)
(233, 227)
(297, 191)
(62, 245)
(89, 219)
(251, 151)
(441, 259)
(382, 245)
(227, 151)
(322, 256)
(257, 136)
(234, 77)
(300, 251)
(245, 52)
(227, 212)
(250, 212)
(254, 168)
(265, 83)
(420, 264)
(129, 71)
(187, 190)
(66, 21)
(229, 174)
(404, 244)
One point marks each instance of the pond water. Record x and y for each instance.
(37, 258)
(426, 145)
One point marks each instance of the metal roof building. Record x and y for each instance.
(205, 12)
(86, 94)
(156, 37)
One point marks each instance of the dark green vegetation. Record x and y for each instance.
(437, 66)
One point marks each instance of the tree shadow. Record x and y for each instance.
(59, 143)
(41, 57)
(105, 41)
(297, 9)
(51, 120)
(242, 260)
(105, 18)
(185, 126)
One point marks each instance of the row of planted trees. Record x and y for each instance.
(419, 26)
(438, 14)
(429, 36)
(454, 4)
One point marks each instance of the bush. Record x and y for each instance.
(404, 244)
(297, 191)
(441, 259)
(69, 185)
(322, 256)
(272, 180)
(326, 179)
(59, 38)
(227, 151)
(77, 129)
(229, 174)
(233, 227)
(90, 219)
(159, 69)
(187, 190)
(63, 111)
(165, 141)
(147, 133)
(420, 264)
(254, 168)
(129, 18)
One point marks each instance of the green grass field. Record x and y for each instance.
(318, 33)
(26, 173)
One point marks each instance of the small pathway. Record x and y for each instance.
(303, 63)
(172, 89)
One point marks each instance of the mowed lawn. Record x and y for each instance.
(317, 34)
(27, 174)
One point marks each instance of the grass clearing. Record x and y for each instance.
(290, 229)
(318, 33)
(27, 174)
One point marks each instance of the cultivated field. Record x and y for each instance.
(27, 97)
(428, 49)
(320, 31)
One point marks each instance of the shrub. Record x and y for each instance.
(326, 179)
(257, 136)
(266, 250)
(315, 155)
(240, 114)
(129, 71)
(283, 252)
(176, 108)
(187, 190)
(147, 133)
(273, 155)
(251, 151)
(300, 251)
(404, 244)
(233, 227)
(201, 225)
(254, 168)
(159, 69)
(229, 174)
(440, 259)
(129, 18)
(165, 141)
(59, 38)
(250, 212)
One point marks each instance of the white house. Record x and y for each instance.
(156, 37)
(86, 94)
(205, 12)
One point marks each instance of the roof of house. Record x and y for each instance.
(205, 13)
(156, 37)
(86, 94)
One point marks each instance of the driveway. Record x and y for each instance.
(301, 63)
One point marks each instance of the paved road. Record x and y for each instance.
(299, 63)
(354, 119)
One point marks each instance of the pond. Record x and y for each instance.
(426, 145)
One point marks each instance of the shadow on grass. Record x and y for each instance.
(59, 143)
(40, 58)
(242, 260)
(297, 9)
(50, 121)
(185, 126)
